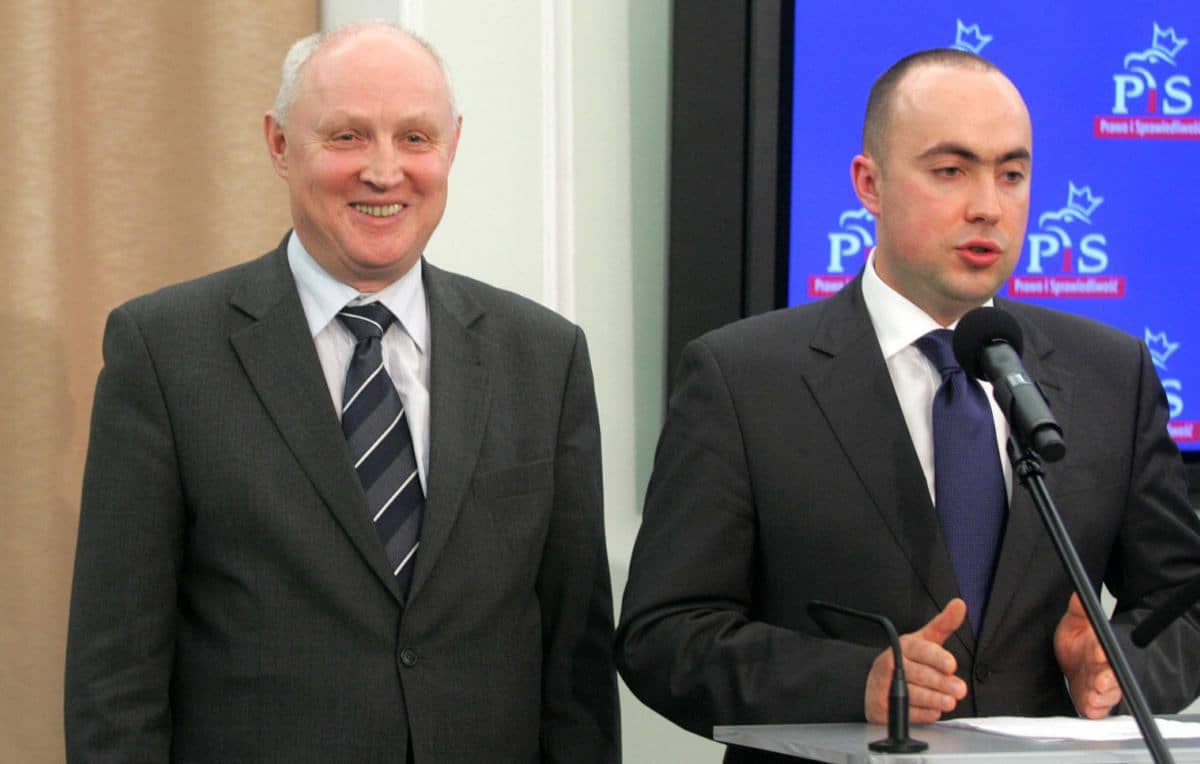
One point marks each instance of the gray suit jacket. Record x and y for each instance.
(785, 473)
(232, 600)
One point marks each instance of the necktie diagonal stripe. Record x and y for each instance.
(380, 444)
(350, 401)
(371, 448)
(388, 502)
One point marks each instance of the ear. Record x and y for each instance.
(276, 143)
(865, 176)
(457, 135)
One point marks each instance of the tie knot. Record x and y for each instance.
(366, 321)
(938, 347)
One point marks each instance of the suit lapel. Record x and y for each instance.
(1024, 529)
(278, 355)
(459, 394)
(856, 395)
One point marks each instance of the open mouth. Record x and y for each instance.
(978, 254)
(378, 210)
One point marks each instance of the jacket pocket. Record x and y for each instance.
(514, 481)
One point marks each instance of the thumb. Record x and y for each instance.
(1075, 612)
(1075, 606)
(1076, 622)
(945, 623)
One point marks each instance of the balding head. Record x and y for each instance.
(302, 51)
(882, 96)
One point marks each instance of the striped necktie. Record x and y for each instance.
(381, 446)
(968, 480)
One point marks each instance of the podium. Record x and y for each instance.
(847, 744)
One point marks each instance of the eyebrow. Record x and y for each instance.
(962, 151)
(340, 116)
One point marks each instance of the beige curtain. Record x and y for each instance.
(132, 157)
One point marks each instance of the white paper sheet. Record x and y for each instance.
(1069, 728)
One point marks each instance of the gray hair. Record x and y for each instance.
(303, 49)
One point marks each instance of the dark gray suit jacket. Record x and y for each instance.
(785, 473)
(232, 601)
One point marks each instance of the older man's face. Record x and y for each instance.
(366, 155)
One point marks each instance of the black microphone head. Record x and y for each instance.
(978, 329)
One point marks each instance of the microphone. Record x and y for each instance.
(1184, 597)
(988, 344)
(897, 740)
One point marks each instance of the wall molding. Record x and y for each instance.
(412, 15)
(558, 167)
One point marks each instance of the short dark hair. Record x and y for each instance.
(879, 102)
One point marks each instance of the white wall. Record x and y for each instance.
(559, 192)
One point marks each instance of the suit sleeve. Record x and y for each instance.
(580, 721)
(1158, 550)
(690, 644)
(121, 633)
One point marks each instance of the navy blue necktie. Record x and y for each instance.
(968, 481)
(381, 445)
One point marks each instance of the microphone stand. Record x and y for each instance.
(1028, 467)
(897, 740)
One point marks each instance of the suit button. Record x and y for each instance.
(982, 672)
(408, 657)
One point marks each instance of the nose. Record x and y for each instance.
(384, 168)
(984, 203)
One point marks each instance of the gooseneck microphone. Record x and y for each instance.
(988, 344)
(897, 740)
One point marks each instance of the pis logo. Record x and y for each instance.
(1057, 267)
(1150, 101)
(852, 240)
(1138, 83)
(1054, 241)
(1162, 349)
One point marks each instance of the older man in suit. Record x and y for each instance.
(803, 458)
(340, 505)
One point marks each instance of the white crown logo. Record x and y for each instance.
(1166, 42)
(970, 39)
(856, 222)
(1081, 200)
(1080, 206)
(1160, 348)
(1164, 46)
(859, 214)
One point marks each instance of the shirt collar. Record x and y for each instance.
(898, 322)
(322, 296)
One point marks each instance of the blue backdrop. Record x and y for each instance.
(1114, 92)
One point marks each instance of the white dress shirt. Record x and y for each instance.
(405, 344)
(898, 324)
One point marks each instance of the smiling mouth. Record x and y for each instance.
(378, 210)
